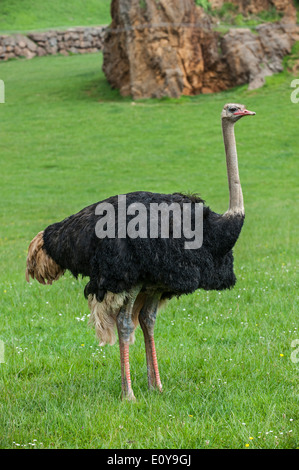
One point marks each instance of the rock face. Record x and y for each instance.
(168, 48)
(251, 57)
(153, 49)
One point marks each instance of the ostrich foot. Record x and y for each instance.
(128, 396)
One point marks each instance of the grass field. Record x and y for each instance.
(225, 358)
(27, 15)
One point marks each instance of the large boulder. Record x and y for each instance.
(153, 49)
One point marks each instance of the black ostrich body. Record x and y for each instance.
(117, 265)
(131, 276)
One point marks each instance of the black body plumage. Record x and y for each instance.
(117, 265)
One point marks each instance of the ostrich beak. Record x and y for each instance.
(244, 112)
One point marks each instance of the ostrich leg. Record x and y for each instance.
(147, 318)
(125, 328)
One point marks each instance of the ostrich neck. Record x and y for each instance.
(236, 205)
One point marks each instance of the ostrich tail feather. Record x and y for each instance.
(40, 265)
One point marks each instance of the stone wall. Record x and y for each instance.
(77, 40)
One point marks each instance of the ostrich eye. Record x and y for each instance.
(232, 109)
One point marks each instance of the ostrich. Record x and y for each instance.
(130, 278)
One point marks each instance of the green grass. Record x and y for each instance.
(67, 141)
(26, 15)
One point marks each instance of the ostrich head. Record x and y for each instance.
(233, 112)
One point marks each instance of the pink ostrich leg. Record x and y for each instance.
(147, 319)
(125, 328)
(126, 385)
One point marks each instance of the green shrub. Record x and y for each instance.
(270, 15)
(205, 4)
(227, 9)
(239, 20)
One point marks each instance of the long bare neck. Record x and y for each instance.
(236, 205)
